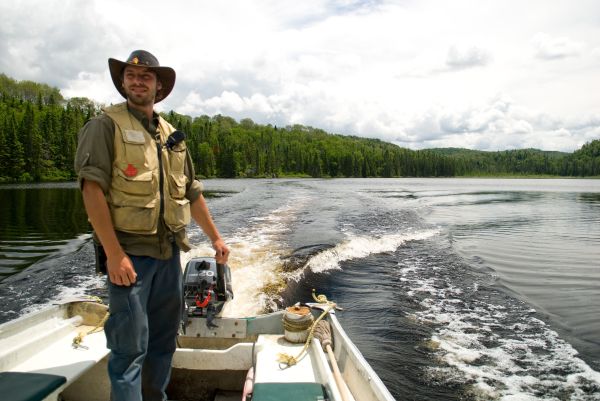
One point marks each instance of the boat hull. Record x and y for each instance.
(209, 363)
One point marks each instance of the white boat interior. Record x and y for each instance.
(39, 361)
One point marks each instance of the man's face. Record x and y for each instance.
(140, 85)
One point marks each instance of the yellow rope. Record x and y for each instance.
(94, 298)
(295, 326)
(77, 341)
(293, 360)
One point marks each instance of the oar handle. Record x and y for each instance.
(338, 376)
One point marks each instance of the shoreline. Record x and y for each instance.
(68, 183)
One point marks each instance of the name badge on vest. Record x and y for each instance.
(132, 136)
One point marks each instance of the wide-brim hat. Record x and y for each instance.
(142, 58)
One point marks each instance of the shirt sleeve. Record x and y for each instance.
(194, 187)
(95, 151)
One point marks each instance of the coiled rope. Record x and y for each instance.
(290, 360)
(298, 325)
(77, 341)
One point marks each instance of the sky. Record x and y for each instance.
(480, 74)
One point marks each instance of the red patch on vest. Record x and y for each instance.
(130, 171)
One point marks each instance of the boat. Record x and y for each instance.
(59, 354)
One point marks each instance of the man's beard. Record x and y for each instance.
(145, 100)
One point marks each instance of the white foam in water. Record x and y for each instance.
(356, 247)
(535, 363)
(255, 259)
(65, 293)
(93, 282)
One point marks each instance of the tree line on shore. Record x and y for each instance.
(38, 140)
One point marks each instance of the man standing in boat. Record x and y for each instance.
(139, 191)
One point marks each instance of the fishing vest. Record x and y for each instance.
(134, 196)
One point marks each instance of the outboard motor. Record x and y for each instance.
(206, 288)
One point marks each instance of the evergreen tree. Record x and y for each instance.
(15, 153)
(32, 141)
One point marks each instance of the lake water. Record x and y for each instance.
(453, 289)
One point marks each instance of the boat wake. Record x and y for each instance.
(256, 260)
(360, 246)
(263, 267)
(496, 345)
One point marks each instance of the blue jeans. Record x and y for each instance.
(142, 328)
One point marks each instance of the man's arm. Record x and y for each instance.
(119, 267)
(202, 216)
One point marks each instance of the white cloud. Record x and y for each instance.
(552, 48)
(99, 83)
(227, 103)
(419, 73)
(499, 125)
(471, 57)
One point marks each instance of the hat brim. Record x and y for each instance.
(166, 76)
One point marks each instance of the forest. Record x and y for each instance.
(38, 140)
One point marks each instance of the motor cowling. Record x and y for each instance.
(206, 288)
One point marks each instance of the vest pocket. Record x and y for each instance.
(140, 184)
(133, 201)
(177, 185)
(137, 220)
(177, 213)
(134, 150)
(177, 158)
